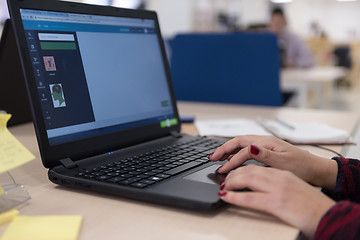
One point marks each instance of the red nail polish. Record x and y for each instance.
(210, 155)
(218, 169)
(222, 182)
(254, 150)
(221, 193)
(222, 187)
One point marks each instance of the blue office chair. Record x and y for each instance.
(240, 68)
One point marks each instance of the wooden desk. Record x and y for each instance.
(108, 217)
(316, 79)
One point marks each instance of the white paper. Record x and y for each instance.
(302, 133)
(230, 127)
(312, 132)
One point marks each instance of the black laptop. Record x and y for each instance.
(103, 105)
(13, 94)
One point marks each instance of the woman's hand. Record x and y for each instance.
(278, 154)
(279, 193)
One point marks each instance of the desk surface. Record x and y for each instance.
(315, 74)
(316, 79)
(108, 217)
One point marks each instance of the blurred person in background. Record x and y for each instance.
(294, 51)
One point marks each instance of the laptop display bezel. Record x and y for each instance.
(12, 80)
(82, 148)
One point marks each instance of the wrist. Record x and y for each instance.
(326, 174)
(318, 214)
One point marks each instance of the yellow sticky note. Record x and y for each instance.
(43, 228)
(8, 216)
(12, 152)
(1, 190)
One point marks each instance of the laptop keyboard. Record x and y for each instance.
(152, 167)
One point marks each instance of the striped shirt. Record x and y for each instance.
(342, 221)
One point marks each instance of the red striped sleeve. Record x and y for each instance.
(342, 221)
(348, 180)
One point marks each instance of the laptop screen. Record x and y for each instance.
(96, 74)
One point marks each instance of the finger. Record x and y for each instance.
(264, 155)
(270, 154)
(255, 200)
(235, 161)
(224, 152)
(232, 147)
(247, 153)
(254, 177)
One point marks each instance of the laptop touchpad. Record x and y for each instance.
(207, 175)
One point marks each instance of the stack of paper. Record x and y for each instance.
(306, 133)
(297, 133)
(230, 127)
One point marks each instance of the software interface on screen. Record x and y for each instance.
(96, 74)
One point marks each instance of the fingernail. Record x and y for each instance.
(210, 156)
(222, 193)
(222, 187)
(254, 150)
(217, 170)
(222, 182)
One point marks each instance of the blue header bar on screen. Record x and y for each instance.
(79, 27)
(45, 20)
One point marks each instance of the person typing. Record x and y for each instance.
(285, 189)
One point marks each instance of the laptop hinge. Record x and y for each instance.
(68, 163)
(175, 134)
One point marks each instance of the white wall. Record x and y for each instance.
(174, 16)
(179, 16)
(254, 11)
(340, 20)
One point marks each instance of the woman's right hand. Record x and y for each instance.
(277, 192)
(279, 154)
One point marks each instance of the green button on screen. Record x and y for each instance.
(58, 45)
(169, 122)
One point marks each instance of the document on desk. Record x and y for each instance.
(12, 152)
(230, 127)
(305, 133)
(296, 133)
(43, 228)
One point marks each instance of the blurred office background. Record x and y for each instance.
(330, 28)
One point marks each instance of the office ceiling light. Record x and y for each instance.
(126, 3)
(98, 2)
(281, 1)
